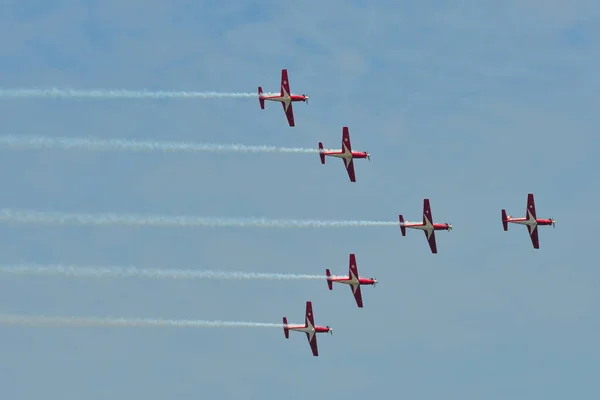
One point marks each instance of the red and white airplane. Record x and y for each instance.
(531, 221)
(426, 226)
(309, 328)
(346, 154)
(285, 97)
(353, 279)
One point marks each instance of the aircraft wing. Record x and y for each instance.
(289, 112)
(427, 212)
(350, 168)
(285, 83)
(530, 206)
(353, 272)
(352, 268)
(310, 319)
(534, 236)
(431, 240)
(428, 219)
(312, 336)
(313, 344)
(346, 139)
(357, 294)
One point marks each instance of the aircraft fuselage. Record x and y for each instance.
(308, 329)
(427, 227)
(352, 281)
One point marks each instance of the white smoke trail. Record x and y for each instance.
(131, 271)
(58, 218)
(44, 142)
(118, 94)
(35, 320)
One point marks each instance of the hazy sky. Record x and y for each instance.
(472, 105)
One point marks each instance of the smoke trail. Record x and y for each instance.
(44, 142)
(130, 271)
(34, 320)
(118, 94)
(58, 218)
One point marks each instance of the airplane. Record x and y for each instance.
(531, 221)
(346, 154)
(426, 226)
(309, 328)
(285, 97)
(353, 279)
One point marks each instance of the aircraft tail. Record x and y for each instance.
(321, 153)
(286, 330)
(402, 227)
(260, 98)
(504, 220)
(329, 283)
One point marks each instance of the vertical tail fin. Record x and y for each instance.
(329, 283)
(504, 220)
(321, 153)
(402, 227)
(260, 98)
(286, 330)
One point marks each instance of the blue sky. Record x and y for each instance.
(472, 105)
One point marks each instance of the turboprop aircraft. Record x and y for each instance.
(309, 328)
(353, 279)
(426, 226)
(346, 154)
(285, 97)
(531, 221)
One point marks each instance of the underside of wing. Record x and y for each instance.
(431, 241)
(534, 238)
(352, 267)
(530, 206)
(289, 112)
(313, 344)
(357, 295)
(350, 168)
(285, 83)
(346, 139)
(309, 317)
(427, 211)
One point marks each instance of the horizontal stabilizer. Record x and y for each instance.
(260, 98)
(329, 282)
(286, 330)
(402, 227)
(321, 153)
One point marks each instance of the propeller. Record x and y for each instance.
(330, 330)
(368, 156)
(449, 227)
(553, 222)
(374, 282)
(305, 98)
